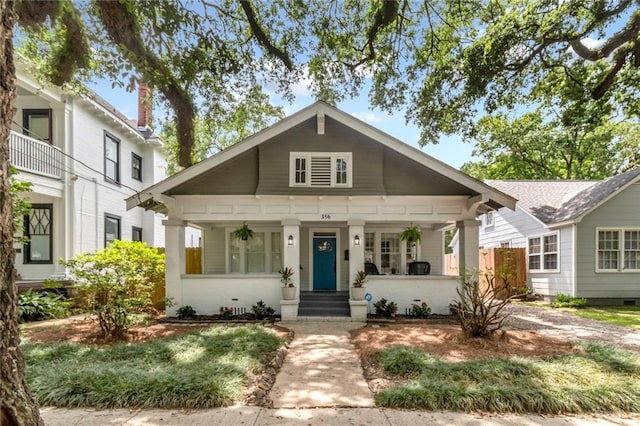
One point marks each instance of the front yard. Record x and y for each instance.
(167, 366)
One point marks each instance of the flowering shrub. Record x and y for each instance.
(421, 310)
(225, 313)
(386, 309)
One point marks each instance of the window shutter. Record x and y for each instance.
(321, 171)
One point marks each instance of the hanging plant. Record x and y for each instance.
(412, 234)
(243, 233)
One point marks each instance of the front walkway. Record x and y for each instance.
(322, 369)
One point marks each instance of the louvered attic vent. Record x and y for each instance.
(320, 170)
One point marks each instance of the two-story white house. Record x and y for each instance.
(83, 158)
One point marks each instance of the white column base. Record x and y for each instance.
(359, 310)
(289, 310)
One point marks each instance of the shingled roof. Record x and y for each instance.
(559, 201)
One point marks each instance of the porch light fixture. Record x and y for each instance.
(356, 240)
(290, 241)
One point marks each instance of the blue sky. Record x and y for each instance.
(450, 150)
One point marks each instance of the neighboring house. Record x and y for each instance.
(582, 237)
(324, 193)
(83, 158)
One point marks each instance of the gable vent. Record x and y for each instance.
(321, 171)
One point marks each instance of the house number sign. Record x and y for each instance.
(325, 216)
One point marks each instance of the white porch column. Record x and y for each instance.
(356, 252)
(174, 261)
(469, 239)
(291, 259)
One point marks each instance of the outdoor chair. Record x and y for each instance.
(419, 268)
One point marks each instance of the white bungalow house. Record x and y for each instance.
(83, 158)
(582, 237)
(324, 193)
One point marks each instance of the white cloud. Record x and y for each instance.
(370, 117)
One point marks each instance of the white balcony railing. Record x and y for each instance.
(34, 156)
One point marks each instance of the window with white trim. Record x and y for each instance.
(252, 256)
(489, 219)
(543, 253)
(618, 250)
(320, 169)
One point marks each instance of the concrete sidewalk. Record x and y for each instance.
(322, 369)
(257, 416)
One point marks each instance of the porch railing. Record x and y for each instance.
(34, 156)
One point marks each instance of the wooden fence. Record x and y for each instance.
(193, 260)
(508, 266)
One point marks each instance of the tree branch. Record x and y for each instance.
(124, 31)
(262, 37)
(628, 34)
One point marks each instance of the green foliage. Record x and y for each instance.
(225, 312)
(185, 312)
(285, 276)
(594, 379)
(118, 281)
(626, 316)
(206, 369)
(243, 232)
(385, 309)
(478, 310)
(566, 301)
(359, 279)
(262, 311)
(232, 121)
(21, 204)
(421, 310)
(35, 306)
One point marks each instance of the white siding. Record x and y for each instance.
(214, 259)
(512, 226)
(623, 211)
(552, 283)
(431, 249)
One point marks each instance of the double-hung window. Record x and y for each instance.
(111, 229)
(111, 158)
(320, 169)
(618, 250)
(136, 167)
(543, 253)
(260, 254)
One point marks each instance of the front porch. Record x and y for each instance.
(324, 256)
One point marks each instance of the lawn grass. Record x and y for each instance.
(205, 369)
(594, 379)
(628, 316)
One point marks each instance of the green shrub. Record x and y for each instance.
(262, 311)
(566, 301)
(421, 310)
(185, 312)
(36, 306)
(117, 282)
(225, 313)
(385, 309)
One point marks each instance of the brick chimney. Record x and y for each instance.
(145, 105)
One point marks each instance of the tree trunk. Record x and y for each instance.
(17, 406)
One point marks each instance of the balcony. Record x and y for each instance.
(33, 156)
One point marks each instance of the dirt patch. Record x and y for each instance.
(87, 331)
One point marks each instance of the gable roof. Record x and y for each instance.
(152, 197)
(558, 202)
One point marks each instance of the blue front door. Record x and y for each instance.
(324, 263)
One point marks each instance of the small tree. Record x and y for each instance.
(479, 311)
(118, 282)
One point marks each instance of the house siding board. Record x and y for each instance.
(214, 251)
(620, 211)
(403, 176)
(552, 283)
(238, 176)
(513, 226)
(366, 158)
(431, 249)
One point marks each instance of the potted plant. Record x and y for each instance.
(243, 232)
(288, 289)
(412, 235)
(358, 290)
